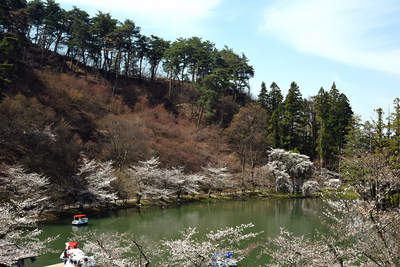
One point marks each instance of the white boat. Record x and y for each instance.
(80, 219)
(73, 256)
(223, 259)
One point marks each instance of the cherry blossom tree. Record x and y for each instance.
(285, 165)
(310, 187)
(149, 179)
(94, 178)
(123, 250)
(23, 199)
(118, 249)
(181, 182)
(189, 251)
(214, 178)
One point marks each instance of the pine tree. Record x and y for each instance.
(322, 107)
(275, 106)
(293, 117)
(394, 142)
(334, 116)
(263, 96)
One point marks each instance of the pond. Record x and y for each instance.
(300, 216)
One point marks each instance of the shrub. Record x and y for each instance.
(395, 200)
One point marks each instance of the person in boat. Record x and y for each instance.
(66, 254)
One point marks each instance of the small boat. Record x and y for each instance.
(80, 219)
(73, 256)
(223, 259)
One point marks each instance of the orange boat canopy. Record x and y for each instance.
(72, 245)
(79, 215)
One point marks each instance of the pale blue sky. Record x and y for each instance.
(354, 43)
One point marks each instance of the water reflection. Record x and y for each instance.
(300, 216)
(80, 229)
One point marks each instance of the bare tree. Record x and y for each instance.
(126, 138)
(246, 133)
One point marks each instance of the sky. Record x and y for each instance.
(354, 44)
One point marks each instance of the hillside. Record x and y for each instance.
(51, 118)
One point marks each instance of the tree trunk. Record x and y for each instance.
(200, 114)
(105, 64)
(127, 63)
(43, 40)
(117, 67)
(29, 31)
(170, 85)
(140, 68)
(138, 199)
(77, 62)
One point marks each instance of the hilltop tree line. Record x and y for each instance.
(110, 48)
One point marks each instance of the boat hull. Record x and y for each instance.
(79, 223)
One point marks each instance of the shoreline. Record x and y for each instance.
(93, 210)
(67, 213)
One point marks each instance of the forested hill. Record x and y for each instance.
(76, 86)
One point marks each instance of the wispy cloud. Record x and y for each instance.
(363, 33)
(171, 14)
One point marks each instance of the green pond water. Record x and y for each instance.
(300, 216)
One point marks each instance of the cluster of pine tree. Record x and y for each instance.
(316, 126)
(108, 48)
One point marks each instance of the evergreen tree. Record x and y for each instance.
(263, 96)
(156, 53)
(13, 16)
(276, 108)
(293, 118)
(201, 57)
(53, 15)
(379, 126)
(311, 128)
(10, 65)
(344, 115)
(35, 9)
(79, 24)
(274, 98)
(142, 48)
(103, 25)
(394, 141)
(176, 57)
(334, 116)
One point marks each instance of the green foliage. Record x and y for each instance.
(155, 54)
(10, 65)
(262, 96)
(394, 139)
(293, 120)
(334, 116)
(395, 200)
